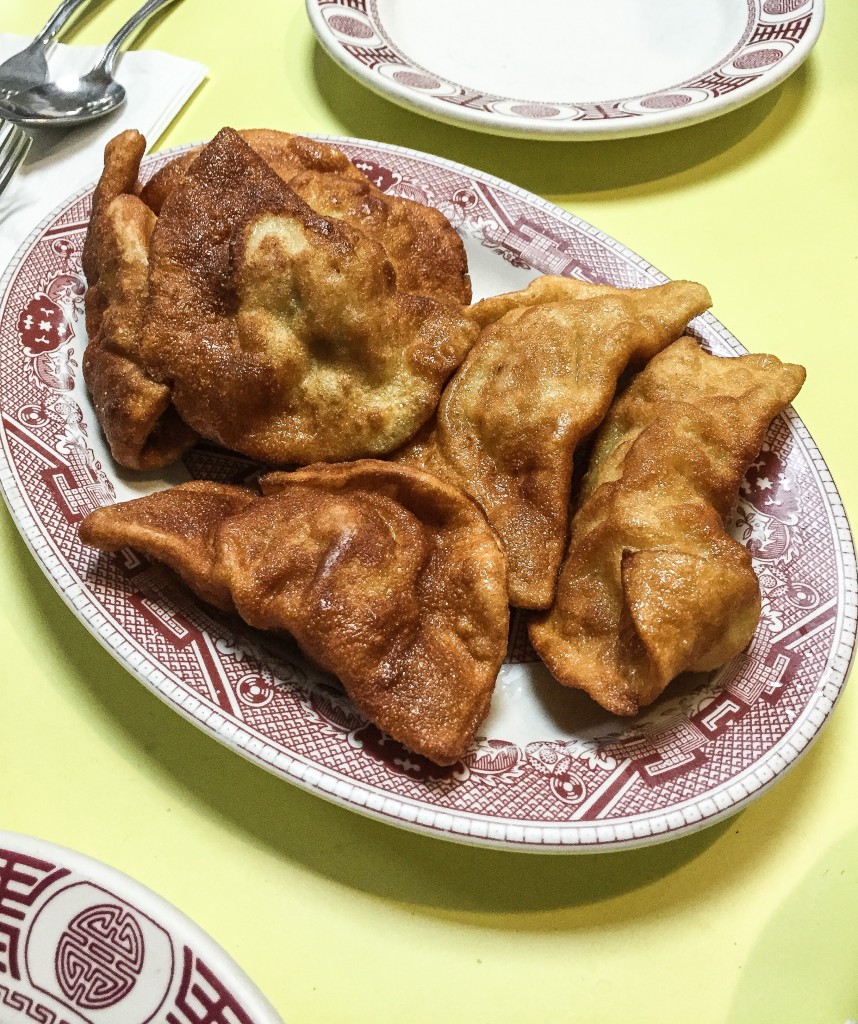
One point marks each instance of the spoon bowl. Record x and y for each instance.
(75, 100)
(66, 102)
(29, 68)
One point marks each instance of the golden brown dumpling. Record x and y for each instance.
(179, 527)
(286, 154)
(282, 334)
(538, 381)
(421, 244)
(386, 576)
(540, 291)
(135, 412)
(122, 156)
(652, 584)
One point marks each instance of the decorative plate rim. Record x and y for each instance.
(448, 823)
(630, 116)
(163, 912)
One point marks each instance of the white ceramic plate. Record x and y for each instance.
(568, 69)
(82, 942)
(550, 770)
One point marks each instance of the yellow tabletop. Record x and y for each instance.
(340, 918)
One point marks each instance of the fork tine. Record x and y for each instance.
(8, 170)
(10, 159)
(14, 146)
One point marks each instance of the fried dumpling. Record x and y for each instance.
(538, 381)
(395, 583)
(179, 527)
(134, 410)
(122, 156)
(421, 244)
(544, 289)
(286, 154)
(282, 334)
(386, 577)
(652, 584)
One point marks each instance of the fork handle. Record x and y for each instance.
(56, 21)
(111, 51)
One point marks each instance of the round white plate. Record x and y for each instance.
(568, 69)
(84, 944)
(550, 770)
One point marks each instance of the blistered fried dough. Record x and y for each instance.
(652, 584)
(289, 154)
(135, 413)
(394, 581)
(548, 288)
(154, 193)
(122, 157)
(421, 244)
(286, 154)
(536, 383)
(282, 333)
(178, 527)
(386, 576)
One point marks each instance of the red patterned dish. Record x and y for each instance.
(550, 771)
(569, 69)
(84, 943)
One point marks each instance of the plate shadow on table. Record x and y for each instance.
(557, 169)
(811, 935)
(486, 888)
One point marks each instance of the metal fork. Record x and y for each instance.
(14, 144)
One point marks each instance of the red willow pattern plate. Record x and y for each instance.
(85, 943)
(550, 771)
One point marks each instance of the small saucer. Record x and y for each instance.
(569, 69)
(84, 943)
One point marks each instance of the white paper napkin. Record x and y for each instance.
(62, 161)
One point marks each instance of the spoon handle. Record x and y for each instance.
(111, 51)
(56, 21)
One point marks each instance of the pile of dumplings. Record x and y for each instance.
(262, 294)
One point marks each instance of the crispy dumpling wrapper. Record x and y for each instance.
(544, 289)
(179, 527)
(420, 243)
(282, 334)
(538, 381)
(386, 577)
(652, 584)
(122, 156)
(286, 154)
(134, 410)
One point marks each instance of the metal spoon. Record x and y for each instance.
(70, 100)
(29, 68)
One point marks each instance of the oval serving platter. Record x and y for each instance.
(549, 771)
(86, 943)
(569, 69)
